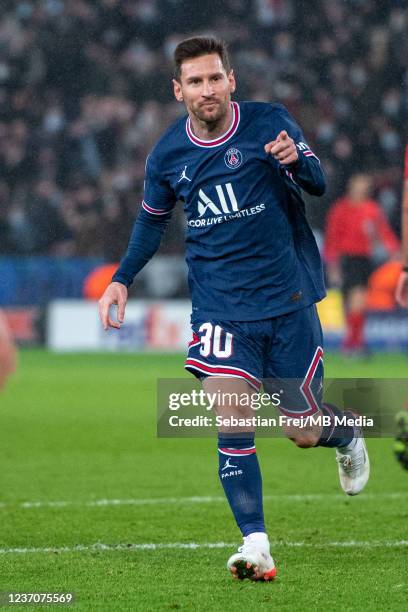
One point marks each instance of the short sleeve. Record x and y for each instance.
(159, 198)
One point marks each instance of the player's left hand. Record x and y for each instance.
(283, 149)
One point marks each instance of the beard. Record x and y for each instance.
(212, 112)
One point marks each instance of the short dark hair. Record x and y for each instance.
(197, 46)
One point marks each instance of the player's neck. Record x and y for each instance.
(211, 130)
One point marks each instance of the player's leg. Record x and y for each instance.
(240, 476)
(296, 359)
(355, 319)
(355, 273)
(401, 439)
(230, 368)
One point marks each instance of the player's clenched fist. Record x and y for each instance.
(115, 294)
(283, 148)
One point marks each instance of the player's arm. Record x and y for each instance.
(294, 156)
(143, 244)
(401, 293)
(386, 234)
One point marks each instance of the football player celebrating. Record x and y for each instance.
(255, 273)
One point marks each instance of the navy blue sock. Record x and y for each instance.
(335, 435)
(241, 478)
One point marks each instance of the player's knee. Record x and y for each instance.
(303, 438)
(231, 418)
(305, 441)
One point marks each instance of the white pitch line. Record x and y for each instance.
(153, 501)
(100, 547)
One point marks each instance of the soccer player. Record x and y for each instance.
(355, 224)
(401, 294)
(254, 273)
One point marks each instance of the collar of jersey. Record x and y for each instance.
(221, 139)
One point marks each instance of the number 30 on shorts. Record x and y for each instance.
(215, 340)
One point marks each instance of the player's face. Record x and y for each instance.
(205, 87)
(359, 187)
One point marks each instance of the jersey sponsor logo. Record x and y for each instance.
(302, 146)
(228, 465)
(213, 211)
(306, 150)
(184, 176)
(205, 203)
(233, 158)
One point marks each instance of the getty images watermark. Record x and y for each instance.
(184, 409)
(255, 401)
(208, 401)
(211, 401)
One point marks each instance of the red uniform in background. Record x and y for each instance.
(356, 225)
(354, 230)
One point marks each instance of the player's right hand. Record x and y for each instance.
(115, 294)
(401, 292)
(283, 149)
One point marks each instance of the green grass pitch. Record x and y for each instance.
(76, 429)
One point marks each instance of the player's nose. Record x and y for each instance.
(208, 89)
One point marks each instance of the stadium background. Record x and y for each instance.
(85, 92)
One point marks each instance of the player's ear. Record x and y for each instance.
(177, 90)
(231, 79)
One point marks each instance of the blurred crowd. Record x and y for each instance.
(85, 91)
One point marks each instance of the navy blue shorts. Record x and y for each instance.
(282, 352)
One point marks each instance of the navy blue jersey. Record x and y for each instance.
(250, 252)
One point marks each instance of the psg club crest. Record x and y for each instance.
(233, 158)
